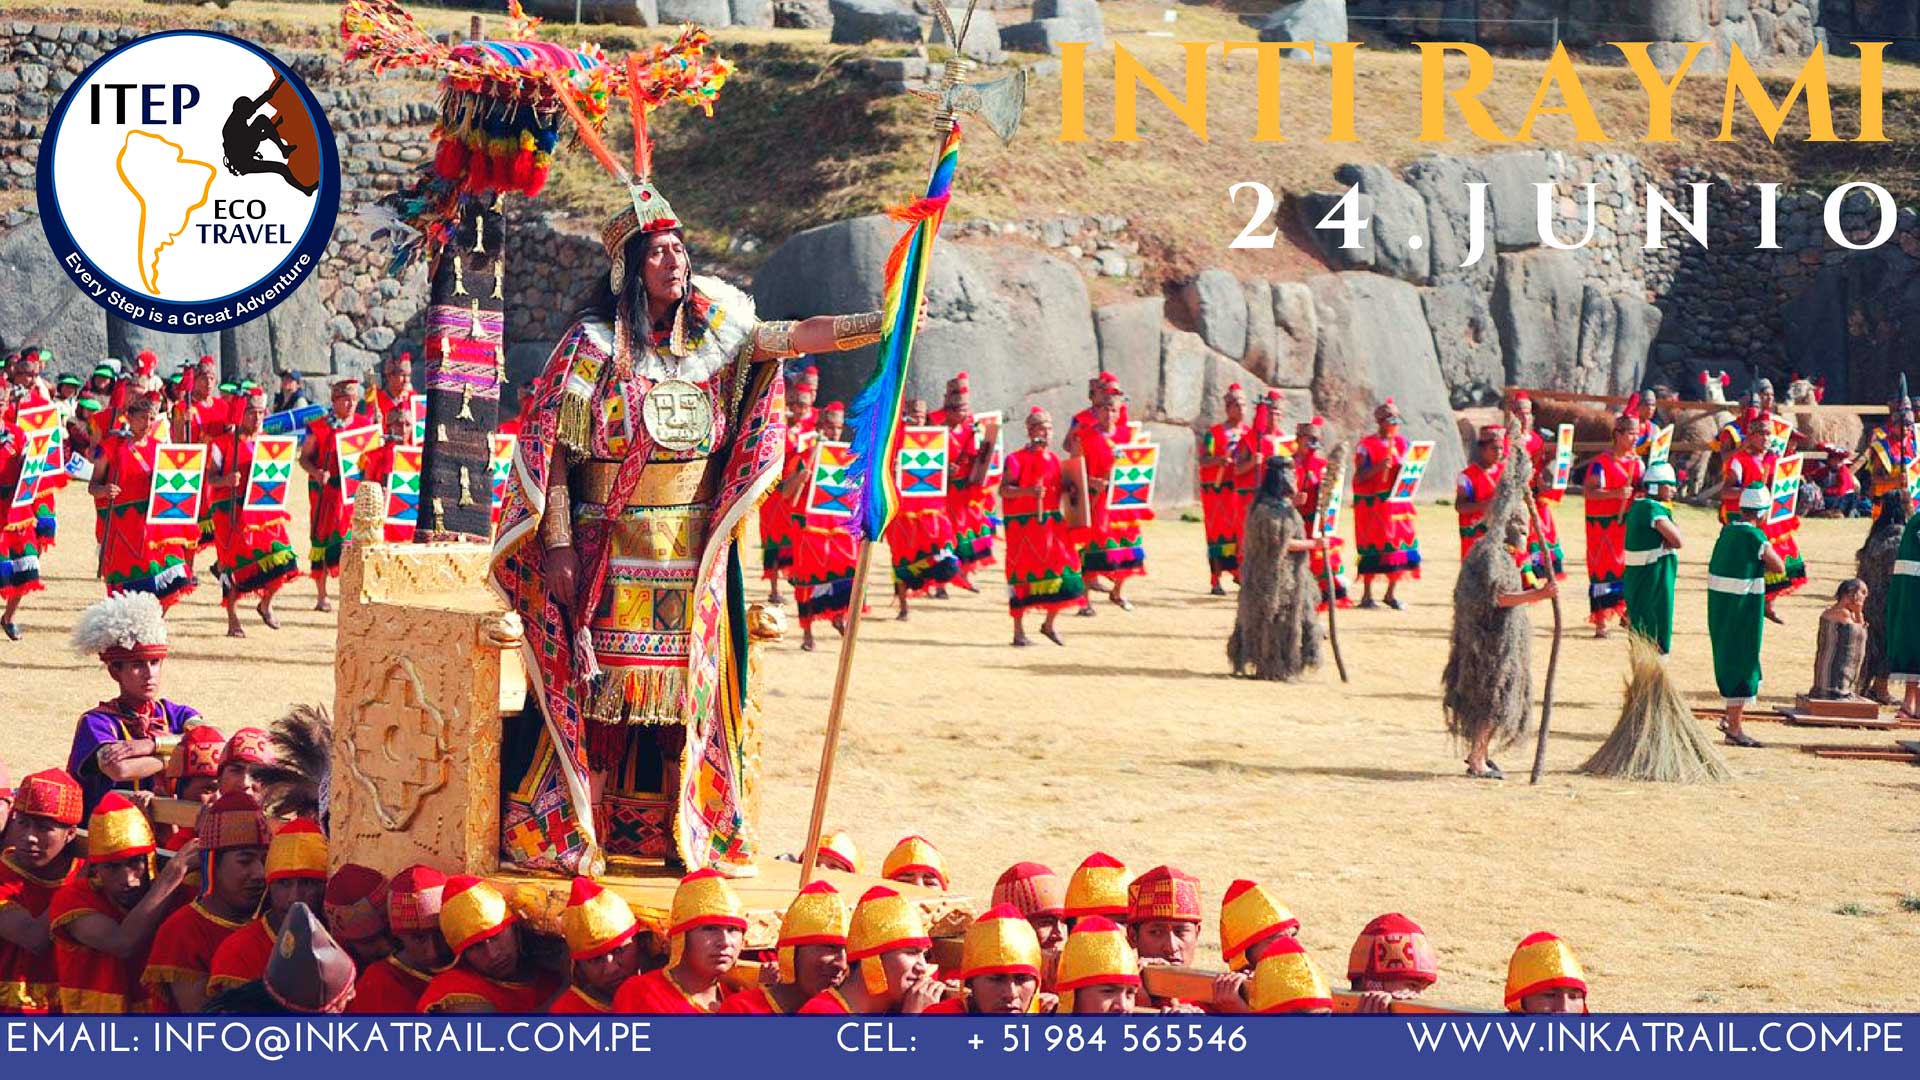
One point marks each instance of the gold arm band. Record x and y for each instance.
(774, 339)
(853, 331)
(556, 525)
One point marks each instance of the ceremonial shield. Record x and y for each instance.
(1075, 504)
(1331, 497)
(403, 494)
(831, 492)
(1779, 433)
(994, 461)
(922, 463)
(419, 406)
(179, 476)
(1786, 490)
(20, 510)
(354, 444)
(1130, 488)
(1563, 457)
(268, 478)
(1407, 484)
(1661, 450)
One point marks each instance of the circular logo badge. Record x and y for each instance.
(188, 181)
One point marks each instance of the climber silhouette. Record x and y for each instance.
(242, 134)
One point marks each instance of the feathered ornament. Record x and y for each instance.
(299, 782)
(130, 622)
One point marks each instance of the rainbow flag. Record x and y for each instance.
(875, 416)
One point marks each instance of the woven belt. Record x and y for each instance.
(662, 483)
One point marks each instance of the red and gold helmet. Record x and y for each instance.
(1096, 954)
(914, 855)
(471, 912)
(298, 850)
(596, 921)
(1287, 980)
(818, 916)
(117, 830)
(1000, 942)
(1098, 887)
(50, 793)
(1247, 916)
(703, 898)
(1540, 963)
(1393, 946)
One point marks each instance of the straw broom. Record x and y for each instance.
(1657, 737)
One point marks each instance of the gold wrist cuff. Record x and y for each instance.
(775, 339)
(556, 524)
(853, 331)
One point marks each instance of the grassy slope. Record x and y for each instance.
(796, 141)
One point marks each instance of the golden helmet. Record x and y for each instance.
(471, 911)
(914, 855)
(596, 922)
(117, 830)
(1000, 942)
(818, 916)
(298, 850)
(1540, 963)
(1287, 980)
(1096, 954)
(837, 852)
(1247, 916)
(1098, 887)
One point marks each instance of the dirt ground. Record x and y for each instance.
(1347, 801)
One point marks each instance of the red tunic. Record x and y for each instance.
(969, 504)
(331, 519)
(29, 981)
(1383, 530)
(241, 958)
(1221, 508)
(1607, 536)
(389, 987)
(776, 514)
(826, 1003)
(183, 950)
(132, 561)
(1477, 484)
(1309, 476)
(383, 405)
(576, 1002)
(1043, 567)
(755, 1001)
(461, 985)
(653, 993)
(1114, 549)
(1543, 543)
(251, 557)
(91, 981)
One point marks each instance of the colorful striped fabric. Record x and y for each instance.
(875, 416)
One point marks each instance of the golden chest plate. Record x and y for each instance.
(678, 415)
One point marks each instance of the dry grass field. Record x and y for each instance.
(1346, 800)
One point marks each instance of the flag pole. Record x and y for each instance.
(824, 781)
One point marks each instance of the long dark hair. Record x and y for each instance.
(603, 304)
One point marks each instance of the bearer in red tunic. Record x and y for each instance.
(1543, 543)
(356, 914)
(707, 925)
(233, 836)
(600, 931)
(395, 396)
(1114, 551)
(393, 986)
(1610, 483)
(1391, 960)
(999, 967)
(205, 417)
(1384, 530)
(492, 973)
(331, 520)
(824, 548)
(1099, 973)
(1223, 515)
(1039, 895)
(887, 945)
(1309, 481)
(1477, 484)
(920, 536)
(969, 501)
(776, 512)
(46, 815)
(1043, 566)
(254, 557)
(811, 956)
(103, 919)
(296, 873)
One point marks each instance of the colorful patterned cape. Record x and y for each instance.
(547, 820)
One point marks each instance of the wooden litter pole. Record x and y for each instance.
(824, 781)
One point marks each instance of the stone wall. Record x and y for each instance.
(1763, 29)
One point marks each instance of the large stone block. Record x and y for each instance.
(1466, 341)
(1184, 359)
(1017, 321)
(298, 329)
(1399, 222)
(1374, 344)
(1442, 183)
(1599, 330)
(1312, 207)
(40, 305)
(1638, 325)
(1176, 480)
(983, 38)
(757, 14)
(1129, 338)
(246, 352)
(1296, 335)
(125, 339)
(1512, 196)
(1537, 302)
(612, 12)
(1047, 35)
(802, 14)
(711, 14)
(856, 22)
(1263, 344)
(1218, 305)
(1318, 21)
(1223, 373)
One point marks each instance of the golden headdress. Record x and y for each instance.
(1540, 963)
(1000, 942)
(882, 922)
(703, 898)
(1098, 887)
(1096, 954)
(818, 916)
(837, 852)
(298, 850)
(596, 921)
(914, 855)
(117, 830)
(1247, 915)
(1287, 980)
(471, 911)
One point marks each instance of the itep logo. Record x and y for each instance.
(188, 181)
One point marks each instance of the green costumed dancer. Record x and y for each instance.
(1903, 619)
(1653, 561)
(1737, 607)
